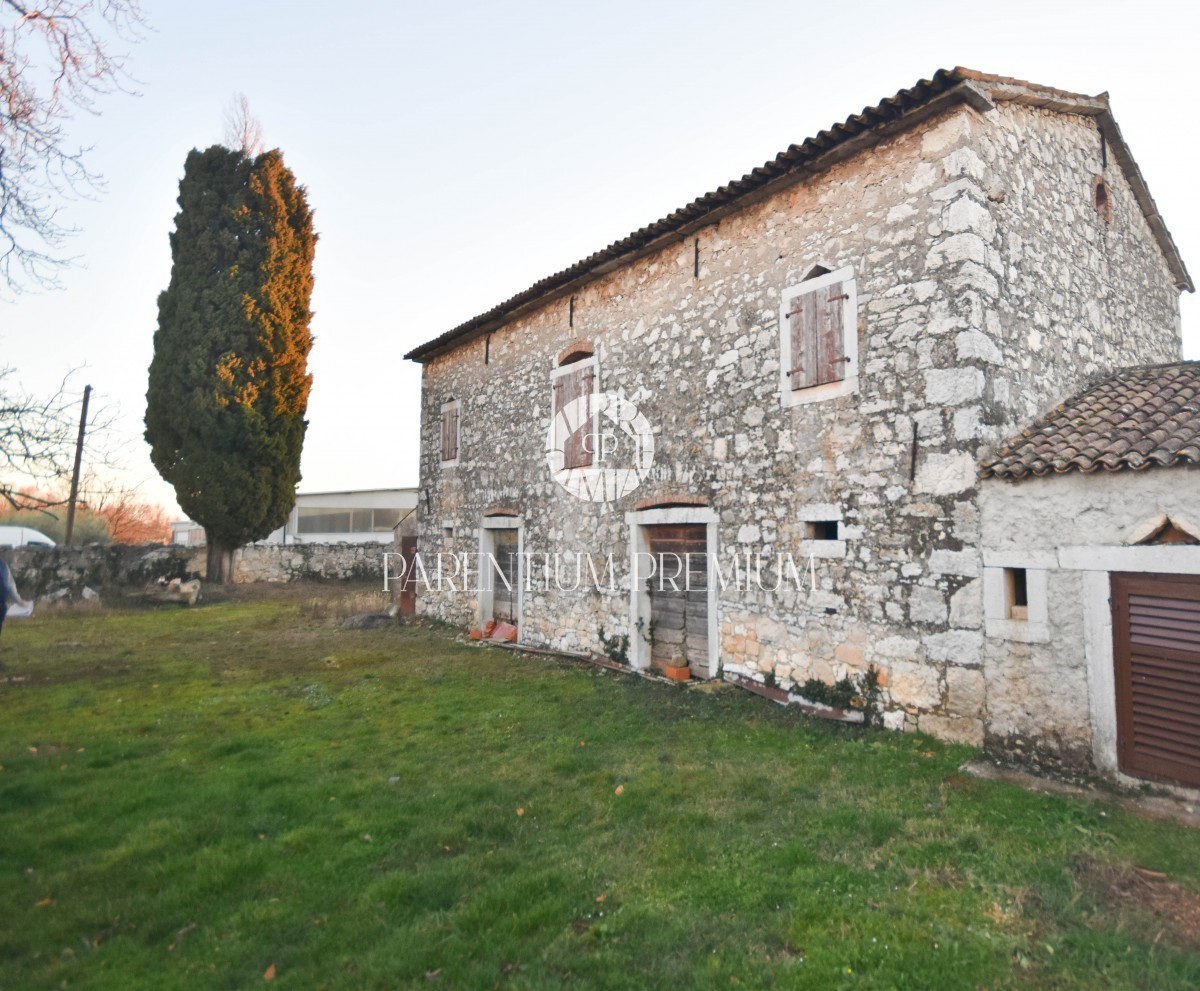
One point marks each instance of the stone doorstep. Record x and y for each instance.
(1183, 809)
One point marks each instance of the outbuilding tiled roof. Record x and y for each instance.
(1140, 417)
(943, 89)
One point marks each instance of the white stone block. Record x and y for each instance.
(923, 176)
(967, 425)
(938, 140)
(973, 276)
(965, 214)
(975, 344)
(959, 187)
(953, 386)
(914, 684)
(748, 534)
(964, 247)
(945, 474)
(966, 563)
(964, 161)
(958, 646)
(965, 691)
(926, 605)
(897, 649)
(966, 605)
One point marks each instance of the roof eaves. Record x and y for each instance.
(814, 155)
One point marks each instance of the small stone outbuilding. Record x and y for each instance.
(1091, 579)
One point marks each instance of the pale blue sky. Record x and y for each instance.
(455, 153)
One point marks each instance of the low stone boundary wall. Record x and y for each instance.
(41, 570)
(311, 562)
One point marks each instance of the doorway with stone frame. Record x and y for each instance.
(500, 578)
(673, 603)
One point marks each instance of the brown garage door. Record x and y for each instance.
(1156, 640)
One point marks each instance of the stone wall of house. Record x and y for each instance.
(1050, 677)
(988, 289)
(41, 570)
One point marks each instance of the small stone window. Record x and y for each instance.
(818, 337)
(450, 433)
(1102, 199)
(823, 534)
(821, 530)
(1016, 593)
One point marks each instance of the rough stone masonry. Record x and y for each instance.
(992, 280)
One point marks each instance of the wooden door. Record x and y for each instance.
(408, 588)
(1156, 648)
(508, 561)
(679, 594)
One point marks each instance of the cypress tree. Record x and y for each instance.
(229, 380)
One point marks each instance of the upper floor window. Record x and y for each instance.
(574, 384)
(450, 432)
(818, 330)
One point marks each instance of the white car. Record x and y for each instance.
(23, 536)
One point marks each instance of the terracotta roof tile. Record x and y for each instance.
(1137, 418)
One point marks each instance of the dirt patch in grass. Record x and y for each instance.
(1149, 892)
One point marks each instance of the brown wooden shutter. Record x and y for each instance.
(561, 401)
(831, 366)
(450, 433)
(816, 324)
(803, 328)
(567, 388)
(1156, 641)
(576, 449)
(583, 440)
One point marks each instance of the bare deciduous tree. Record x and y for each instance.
(243, 131)
(37, 442)
(55, 59)
(129, 517)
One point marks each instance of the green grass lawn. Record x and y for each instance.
(240, 794)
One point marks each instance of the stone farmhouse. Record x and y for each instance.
(789, 385)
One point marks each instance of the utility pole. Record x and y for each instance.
(87, 393)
